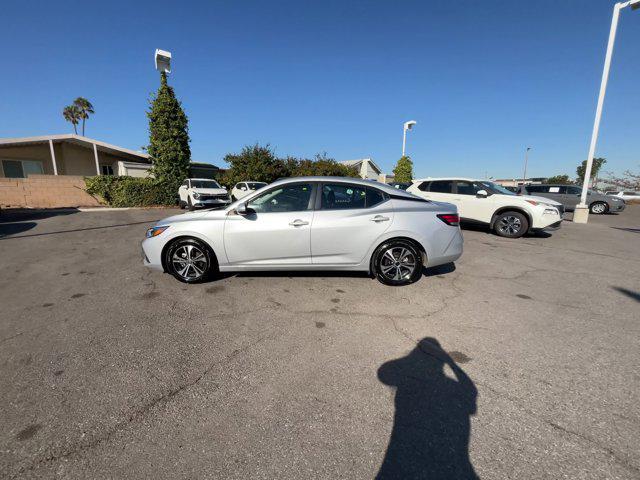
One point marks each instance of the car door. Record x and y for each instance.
(348, 220)
(276, 229)
(470, 206)
(438, 190)
(183, 191)
(570, 196)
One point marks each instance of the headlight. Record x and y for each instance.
(550, 211)
(155, 231)
(196, 195)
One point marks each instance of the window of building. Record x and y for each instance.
(21, 168)
(106, 169)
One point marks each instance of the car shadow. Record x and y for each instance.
(427, 272)
(434, 402)
(20, 220)
(628, 293)
(480, 227)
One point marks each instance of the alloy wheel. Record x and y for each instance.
(510, 225)
(397, 263)
(599, 208)
(189, 262)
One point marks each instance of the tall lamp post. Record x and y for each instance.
(581, 214)
(526, 160)
(408, 126)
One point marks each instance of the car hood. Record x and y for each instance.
(209, 191)
(182, 217)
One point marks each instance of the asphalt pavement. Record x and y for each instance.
(521, 361)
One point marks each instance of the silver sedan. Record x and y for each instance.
(310, 223)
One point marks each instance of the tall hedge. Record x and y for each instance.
(168, 140)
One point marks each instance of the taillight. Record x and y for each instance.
(452, 219)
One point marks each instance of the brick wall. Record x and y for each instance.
(45, 191)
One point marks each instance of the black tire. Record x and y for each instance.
(190, 205)
(511, 224)
(190, 261)
(182, 205)
(598, 208)
(397, 262)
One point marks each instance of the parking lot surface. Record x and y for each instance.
(521, 361)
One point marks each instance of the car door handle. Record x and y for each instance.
(298, 223)
(380, 218)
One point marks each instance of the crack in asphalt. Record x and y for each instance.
(140, 413)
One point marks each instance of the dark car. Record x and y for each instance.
(569, 196)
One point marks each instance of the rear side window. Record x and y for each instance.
(441, 186)
(342, 196)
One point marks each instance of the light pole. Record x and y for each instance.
(526, 160)
(581, 214)
(163, 60)
(408, 126)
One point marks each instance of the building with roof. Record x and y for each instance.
(366, 168)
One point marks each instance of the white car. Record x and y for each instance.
(310, 223)
(242, 189)
(202, 192)
(625, 195)
(508, 214)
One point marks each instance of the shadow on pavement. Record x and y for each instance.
(628, 293)
(632, 230)
(149, 222)
(430, 436)
(18, 220)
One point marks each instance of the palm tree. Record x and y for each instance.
(72, 113)
(85, 108)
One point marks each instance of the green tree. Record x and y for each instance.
(559, 180)
(85, 108)
(255, 163)
(320, 166)
(403, 172)
(71, 113)
(168, 140)
(595, 168)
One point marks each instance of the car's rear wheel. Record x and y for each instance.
(598, 208)
(397, 262)
(511, 224)
(190, 260)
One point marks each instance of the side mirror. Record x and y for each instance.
(482, 194)
(243, 188)
(242, 209)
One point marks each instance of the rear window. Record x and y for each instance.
(441, 186)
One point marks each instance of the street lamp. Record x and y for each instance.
(163, 60)
(581, 214)
(526, 160)
(408, 126)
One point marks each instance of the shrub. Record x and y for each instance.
(129, 191)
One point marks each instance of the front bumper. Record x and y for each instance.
(211, 203)
(553, 226)
(617, 207)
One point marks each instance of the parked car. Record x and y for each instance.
(513, 189)
(400, 185)
(310, 223)
(482, 201)
(569, 196)
(202, 192)
(242, 189)
(625, 195)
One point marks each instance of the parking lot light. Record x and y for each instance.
(408, 126)
(581, 214)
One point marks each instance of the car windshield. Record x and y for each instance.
(204, 184)
(255, 185)
(495, 188)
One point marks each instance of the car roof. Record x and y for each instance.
(207, 179)
(429, 179)
(354, 181)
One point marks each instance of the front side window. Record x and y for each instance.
(287, 198)
(255, 185)
(441, 186)
(468, 188)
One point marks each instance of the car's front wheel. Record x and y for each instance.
(598, 208)
(190, 260)
(511, 224)
(397, 262)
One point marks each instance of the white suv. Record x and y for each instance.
(508, 214)
(202, 192)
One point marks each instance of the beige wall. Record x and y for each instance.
(45, 191)
(71, 159)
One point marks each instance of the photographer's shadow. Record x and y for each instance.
(430, 437)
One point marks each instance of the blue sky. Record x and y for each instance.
(483, 79)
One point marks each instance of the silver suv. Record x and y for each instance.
(569, 196)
